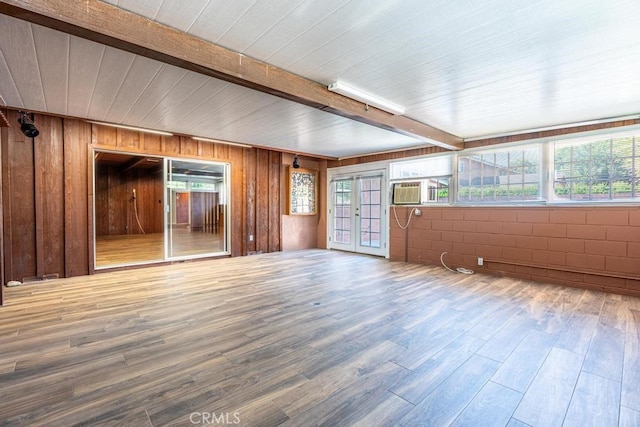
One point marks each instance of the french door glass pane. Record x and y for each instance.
(370, 212)
(342, 212)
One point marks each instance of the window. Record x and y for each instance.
(588, 169)
(602, 168)
(500, 176)
(434, 175)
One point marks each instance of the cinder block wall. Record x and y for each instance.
(589, 247)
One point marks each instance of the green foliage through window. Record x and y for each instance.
(599, 169)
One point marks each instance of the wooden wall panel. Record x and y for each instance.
(250, 197)
(188, 147)
(262, 201)
(48, 194)
(102, 200)
(105, 136)
(205, 150)
(322, 204)
(275, 215)
(127, 140)
(115, 210)
(19, 204)
(238, 230)
(4, 134)
(50, 197)
(170, 145)
(148, 185)
(76, 189)
(150, 143)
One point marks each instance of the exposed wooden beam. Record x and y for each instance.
(109, 25)
(133, 163)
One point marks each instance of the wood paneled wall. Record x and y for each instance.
(115, 213)
(3, 135)
(263, 209)
(47, 190)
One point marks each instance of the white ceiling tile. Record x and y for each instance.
(85, 58)
(114, 69)
(165, 111)
(52, 51)
(19, 52)
(255, 22)
(139, 76)
(181, 15)
(218, 17)
(148, 8)
(289, 26)
(155, 92)
(8, 90)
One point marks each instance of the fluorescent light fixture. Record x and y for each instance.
(220, 141)
(157, 132)
(358, 95)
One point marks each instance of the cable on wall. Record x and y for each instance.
(457, 270)
(395, 214)
(135, 210)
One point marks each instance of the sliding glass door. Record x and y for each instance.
(197, 209)
(152, 209)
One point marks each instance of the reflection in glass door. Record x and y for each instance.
(357, 215)
(343, 220)
(196, 212)
(369, 215)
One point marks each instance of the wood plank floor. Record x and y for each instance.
(129, 249)
(316, 338)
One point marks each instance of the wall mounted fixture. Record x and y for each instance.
(26, 125)
(296, 163)
(359, 95)
(220, 141)
(133, 128)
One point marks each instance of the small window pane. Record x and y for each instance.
(500, 176)
(601, 168)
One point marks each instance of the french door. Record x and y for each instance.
(358, 214)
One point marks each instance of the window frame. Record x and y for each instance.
(503, 149)
(424, 178)
(590, 181)
(546, 171)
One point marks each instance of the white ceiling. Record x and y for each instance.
(469, 67)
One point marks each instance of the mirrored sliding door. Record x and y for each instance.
(128, 206)
(152, 209)
(197, 209)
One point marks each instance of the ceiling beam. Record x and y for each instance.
(115, 27)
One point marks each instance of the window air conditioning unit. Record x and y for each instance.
(406, 193)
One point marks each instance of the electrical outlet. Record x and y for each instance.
(251, 237)
(417, 212)
(480, 261)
